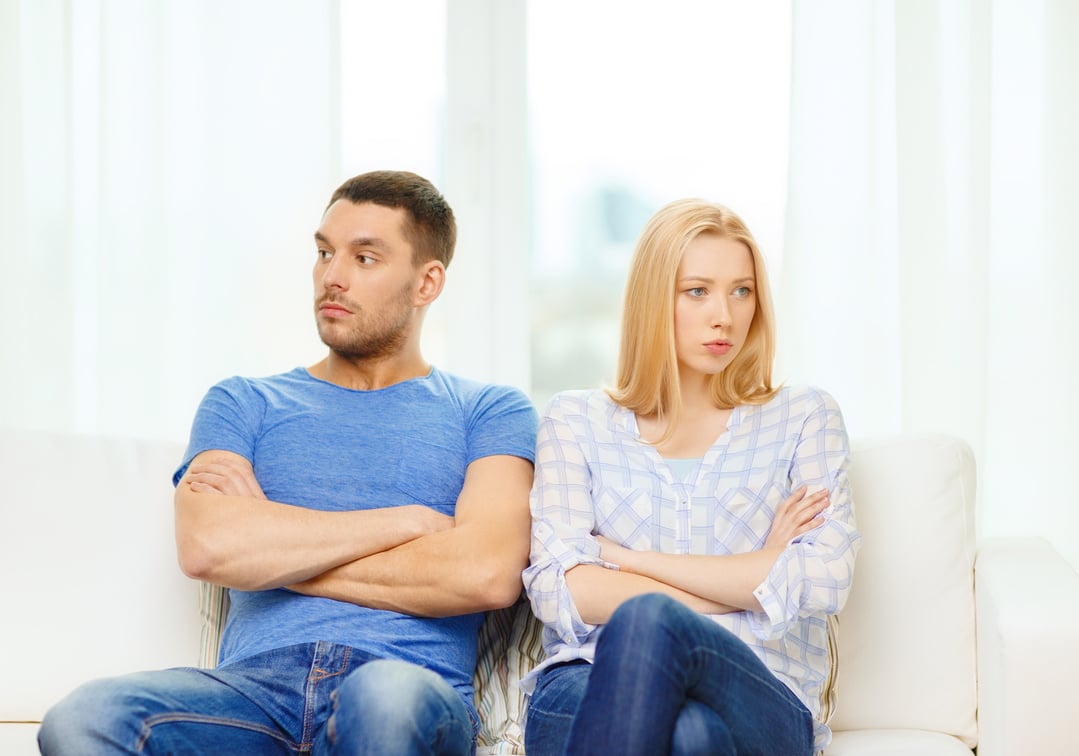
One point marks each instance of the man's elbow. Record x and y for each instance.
(195, 557)
(497, 588)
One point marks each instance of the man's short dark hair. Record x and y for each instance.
(431, 228)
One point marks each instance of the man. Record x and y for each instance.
(363, 511)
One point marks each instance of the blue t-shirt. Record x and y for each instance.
(316, 444)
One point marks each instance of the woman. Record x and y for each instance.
(692, 528)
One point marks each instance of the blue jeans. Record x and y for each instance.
(666, 680)
(318, 698)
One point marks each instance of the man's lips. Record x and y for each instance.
(333, 310)
(718, 347)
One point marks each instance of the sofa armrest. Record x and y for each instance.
(1027, 599)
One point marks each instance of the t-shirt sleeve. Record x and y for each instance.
(503, 421)
(227, 419)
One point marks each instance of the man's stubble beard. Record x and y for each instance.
(376, 336)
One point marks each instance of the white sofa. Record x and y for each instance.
(942, 645)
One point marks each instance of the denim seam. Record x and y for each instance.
(316, 676)
(769, 681)
(159, 719)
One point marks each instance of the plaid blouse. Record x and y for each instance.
(595, 475)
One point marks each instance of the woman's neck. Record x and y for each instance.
(696, 430)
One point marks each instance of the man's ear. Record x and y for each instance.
(432, 279)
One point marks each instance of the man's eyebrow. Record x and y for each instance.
(359, 241)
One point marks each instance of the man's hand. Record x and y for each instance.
(223, 474)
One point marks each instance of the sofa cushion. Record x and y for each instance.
(907, 653)
(93, 586)
(895, 743)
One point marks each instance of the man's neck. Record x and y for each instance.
(369, 374)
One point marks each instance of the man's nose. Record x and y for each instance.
(333, 275)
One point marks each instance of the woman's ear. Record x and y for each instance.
(433, 278)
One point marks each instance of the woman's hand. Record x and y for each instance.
(796, 515)
(615, 553)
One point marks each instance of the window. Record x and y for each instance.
(631, 107)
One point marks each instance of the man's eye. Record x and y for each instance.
(324, 254)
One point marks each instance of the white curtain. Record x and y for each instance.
(163, 166)
(932, 252)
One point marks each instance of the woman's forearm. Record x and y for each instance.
(598, 591)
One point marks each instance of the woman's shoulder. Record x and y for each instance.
(802, 399)
(579, 403)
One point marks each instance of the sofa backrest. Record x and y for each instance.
(907, 647)
(92, 586)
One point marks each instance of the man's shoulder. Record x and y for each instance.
(469, 392)
(243, 388)
(293, 377)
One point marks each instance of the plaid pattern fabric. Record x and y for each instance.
(594, 475)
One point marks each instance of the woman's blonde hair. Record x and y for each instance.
(647, 381)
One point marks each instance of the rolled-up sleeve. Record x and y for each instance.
(813, 575)
(562, 522)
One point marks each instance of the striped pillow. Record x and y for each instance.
(510, 646)
(213, 609)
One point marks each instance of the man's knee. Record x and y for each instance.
(397, 702)
(392, 688)
(90, 718)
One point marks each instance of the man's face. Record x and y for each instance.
(365, 280)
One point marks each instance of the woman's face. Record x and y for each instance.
(715, 299)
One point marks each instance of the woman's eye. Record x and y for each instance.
(743, 291)
(697, 291)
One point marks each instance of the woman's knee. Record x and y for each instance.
(700, 730)
(648, 608)
(650, 618)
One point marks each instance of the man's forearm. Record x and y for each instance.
(255, 544)
(452, 572)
